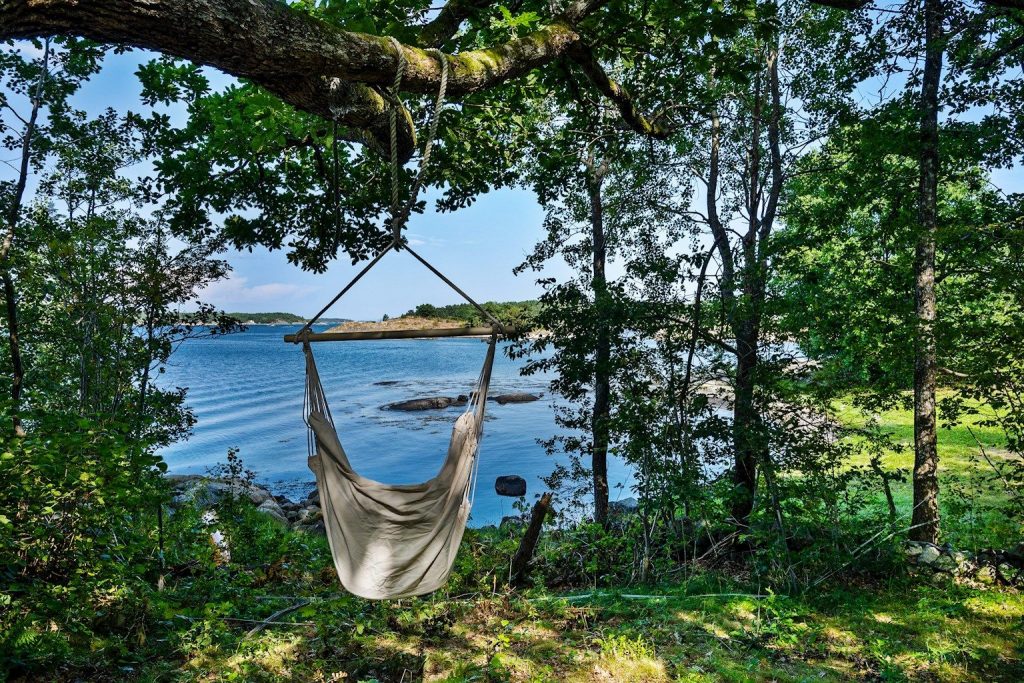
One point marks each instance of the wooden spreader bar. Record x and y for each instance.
(393, 334)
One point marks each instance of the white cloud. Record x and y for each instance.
(420, 240)
(28, 50)
(235, 291)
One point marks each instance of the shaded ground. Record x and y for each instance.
(898, 632)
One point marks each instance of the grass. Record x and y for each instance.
(707, 626)
(958, 449)
(896, 631)
(973, 511)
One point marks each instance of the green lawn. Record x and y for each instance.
(972, 513)
(958, 449)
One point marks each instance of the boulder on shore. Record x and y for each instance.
(270, 508)
(205, 492)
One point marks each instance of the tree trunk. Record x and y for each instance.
(11, 218)
(744, 425)
(925, 517)
(602, 347)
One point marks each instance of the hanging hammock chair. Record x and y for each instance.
(395, 540)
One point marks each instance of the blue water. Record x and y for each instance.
(246, 390)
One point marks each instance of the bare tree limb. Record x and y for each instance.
(447, 22)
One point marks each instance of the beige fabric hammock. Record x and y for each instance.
(394, 540)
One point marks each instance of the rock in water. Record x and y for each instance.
(516, 397)
(510, 485)
(432, 403)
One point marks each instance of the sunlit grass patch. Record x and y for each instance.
(958, 447)
(627, 659)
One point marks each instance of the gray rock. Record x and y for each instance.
(623, 506)
(204, 492)
(913, 549)
(179, 480)
(270, 508)
(312, 498)
(929, 554)
(432, 403)
(316, 527)
(306, 515)
(516, 397)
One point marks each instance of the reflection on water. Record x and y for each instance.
(246, 390)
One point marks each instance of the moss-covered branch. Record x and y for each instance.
(309, 63)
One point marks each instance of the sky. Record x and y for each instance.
(477, 247)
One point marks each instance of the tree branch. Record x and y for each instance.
(447, 22)
(584, 57)
(308, 63)
(311, 64)
(858, 4)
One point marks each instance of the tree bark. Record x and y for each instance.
(521, 560)
(602, 346)
(311, 64)
(925, 517)
(744, 424)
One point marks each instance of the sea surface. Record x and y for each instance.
(246, 390)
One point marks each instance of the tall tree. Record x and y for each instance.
(756, 123)
(925, 520)
(38, 80)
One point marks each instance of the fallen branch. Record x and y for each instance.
(273, 618)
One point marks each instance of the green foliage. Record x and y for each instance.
(267, 318)
(517, 314)
(652, 316)
(77, 538)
